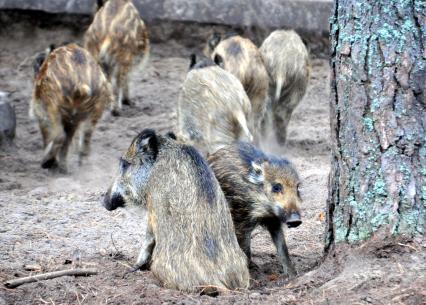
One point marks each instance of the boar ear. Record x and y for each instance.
(218, 60)
(99, 3)
(214, 40)
(192, 60)
(148, 143)
(171, 135)
(256, 173)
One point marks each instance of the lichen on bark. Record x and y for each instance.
(378, 119)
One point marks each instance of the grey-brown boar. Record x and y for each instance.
(261, 190)
(70, 89)
(242, 58)
(189, 242)
(118, 39)
(287, 61)
(212, 108)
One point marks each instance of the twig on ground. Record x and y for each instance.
(48, 276)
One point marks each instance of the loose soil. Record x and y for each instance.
(57, 221)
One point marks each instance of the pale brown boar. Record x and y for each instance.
(189, 242)
(287, 61)
(212, 108)
(118, 39)
(69, 89)
(261, 190)
(242, 58)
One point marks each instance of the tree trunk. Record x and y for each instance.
(378, 120)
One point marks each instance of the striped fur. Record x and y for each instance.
(118, 39)
(287, 61)
(69, 89)
(242, 58)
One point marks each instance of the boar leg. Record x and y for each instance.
(86, 134)
(275, 229)
(69, 129)
(122, 86)
(282, 117)
(52, 148)
(145, 253)
(126, 98)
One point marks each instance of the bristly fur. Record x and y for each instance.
(69, 88)
(247, 176)
(212, 109)
(243, 59)
(189, 240)
(287, 61)
(118, 39)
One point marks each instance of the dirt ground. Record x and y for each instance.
(57, 222)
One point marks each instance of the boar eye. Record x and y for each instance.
(124, 164)
(277, 188)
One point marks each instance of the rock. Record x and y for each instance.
(7, 120)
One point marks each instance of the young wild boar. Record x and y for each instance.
(287, 61)
(118, 39)
(212, 107)
(69, 89)
(261, 190)
(190, 241)
(243, 59)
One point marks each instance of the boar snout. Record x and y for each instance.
(113, 202)
(293, 220)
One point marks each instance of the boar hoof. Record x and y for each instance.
(49, 163)
(115, 112)
(127, 101)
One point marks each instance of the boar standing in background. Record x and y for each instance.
(69, 89)
(212, 108)
(261, 190)
(242, 58)
(118, 39)
(287, 61)
(190, 241)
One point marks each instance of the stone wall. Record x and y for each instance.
(304, 15)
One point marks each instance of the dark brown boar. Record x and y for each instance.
(261, 190)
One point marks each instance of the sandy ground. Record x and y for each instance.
(57, 221)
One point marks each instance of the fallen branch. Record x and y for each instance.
(48, 276)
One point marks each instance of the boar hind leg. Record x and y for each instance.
(281, 119)
(126, 97)
(275, 229)
(86, 135)
(56, 139)
(123, 86)
(69, 129)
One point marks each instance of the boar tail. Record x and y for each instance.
(104, 57)
(278, 87)
(242, 124)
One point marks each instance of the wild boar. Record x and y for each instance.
(69, 89)
(190, 242)
(261, 190)
(242, 58)
(287, 61)
(212, 108)
(118, 39)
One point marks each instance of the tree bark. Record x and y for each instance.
(378, 120)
